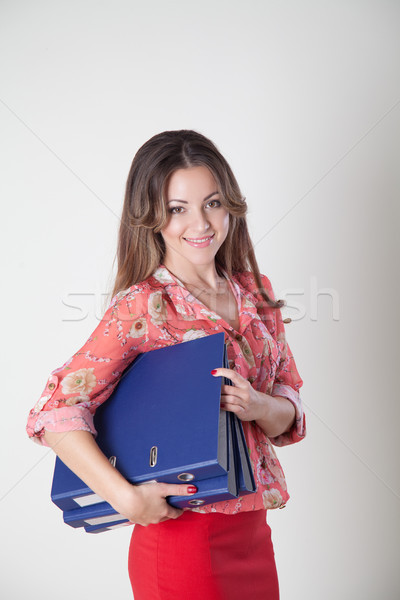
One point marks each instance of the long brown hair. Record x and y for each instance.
(141, 247)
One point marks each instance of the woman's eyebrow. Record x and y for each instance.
(185, 202)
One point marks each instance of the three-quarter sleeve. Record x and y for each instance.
(287, 382)
(74, 391)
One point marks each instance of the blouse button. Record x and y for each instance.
(251, 379)
(52, 383)
(239, 337)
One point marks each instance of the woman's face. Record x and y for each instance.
(197, 224)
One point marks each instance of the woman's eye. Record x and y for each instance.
(177, 210)
(218, 203)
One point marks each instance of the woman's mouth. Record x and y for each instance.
(200, 242)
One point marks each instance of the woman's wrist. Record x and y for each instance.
(124, 498)
(278, 415)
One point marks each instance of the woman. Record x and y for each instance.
(186, 268)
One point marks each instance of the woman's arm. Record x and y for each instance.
(142, 504)
(74, 391)
(63, 416)
(287, 381)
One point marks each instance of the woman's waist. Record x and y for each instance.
(266, 497)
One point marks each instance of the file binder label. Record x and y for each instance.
(88, 500)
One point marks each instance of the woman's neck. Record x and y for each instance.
(205, 277)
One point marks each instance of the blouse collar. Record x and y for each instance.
(180, 294)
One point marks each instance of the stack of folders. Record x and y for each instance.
(163, 423)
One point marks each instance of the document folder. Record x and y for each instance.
(163, 422)
(103, 517)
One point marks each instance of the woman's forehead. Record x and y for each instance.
(192, 181)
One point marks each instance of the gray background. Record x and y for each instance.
(303, 99)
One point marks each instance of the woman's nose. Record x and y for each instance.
(200, 221)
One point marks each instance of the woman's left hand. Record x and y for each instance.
(241, 398)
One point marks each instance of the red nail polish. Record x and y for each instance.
(213, 371)
(192, 489)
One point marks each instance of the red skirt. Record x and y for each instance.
(210, 556)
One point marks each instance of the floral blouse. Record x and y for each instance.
(158, 312)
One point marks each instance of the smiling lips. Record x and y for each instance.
(200, 242)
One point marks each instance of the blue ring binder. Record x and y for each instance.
(163, 422)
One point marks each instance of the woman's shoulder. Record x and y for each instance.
(248, 281)
(158, 282)
(138, 291)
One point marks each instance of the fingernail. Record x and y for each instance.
(192, 489)
(213, 371)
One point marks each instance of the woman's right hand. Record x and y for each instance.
(146, 504)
